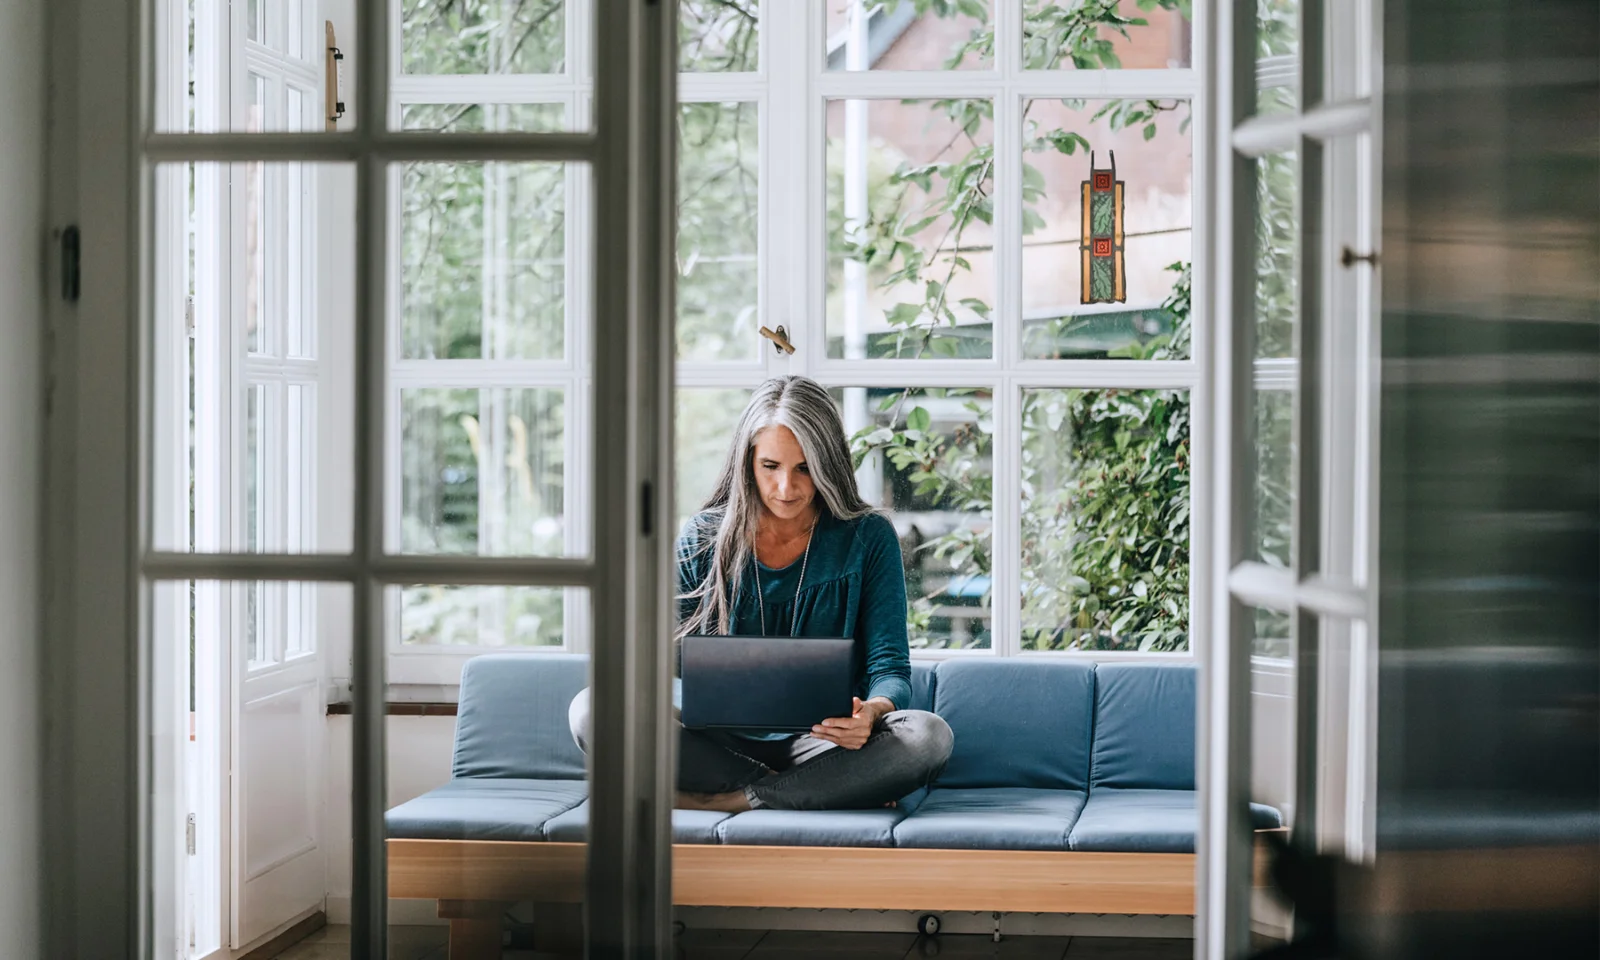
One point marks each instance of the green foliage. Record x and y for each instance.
(718, 36)
(1105, 517)
(1105, 472)
(718, 203)
(938, 471)
(483, 36)
(1058, 33)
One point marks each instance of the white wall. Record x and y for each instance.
(419, 760)
(22, 139)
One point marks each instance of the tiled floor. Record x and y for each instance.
(428, 943)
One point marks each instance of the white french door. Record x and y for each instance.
(1293, 174)
(223, 173)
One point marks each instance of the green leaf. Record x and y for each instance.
(903, 314)
(918, 419)
(1150, 131)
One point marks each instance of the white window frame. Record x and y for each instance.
(437, 665)
(792, 81)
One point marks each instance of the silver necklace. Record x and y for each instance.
(755, 564)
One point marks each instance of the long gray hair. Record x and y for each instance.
(730, 517)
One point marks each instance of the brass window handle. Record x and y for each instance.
(779, 338)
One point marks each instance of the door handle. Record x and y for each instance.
(779, 338)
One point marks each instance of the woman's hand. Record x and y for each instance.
(852, 732)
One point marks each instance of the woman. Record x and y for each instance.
(785, 546)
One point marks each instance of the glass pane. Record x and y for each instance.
(1273, 529)
(297, 29)
(535, 770)
(1277, 56)
(483, 616)
(251, 416)
(1276, 373)
(910, 34)
(262, 738)
(1277, 253)
(477, 118)
(483, 471)
(910, 243)
(255, 466)
(718, 230)
(1105, 34)
(719, 36)
(1273, 748)
(258, 296)
(1105, 520)
(705, 419)
(197, 90)
(483, 36)
(483, 250)
(926, 455)
(1274, 634)
(1141, 148)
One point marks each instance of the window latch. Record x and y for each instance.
(779, 338)
(1350, 258)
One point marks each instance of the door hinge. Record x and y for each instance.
(188, 835)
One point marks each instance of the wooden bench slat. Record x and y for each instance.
(872, 878)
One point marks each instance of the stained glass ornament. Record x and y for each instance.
(1104, 279)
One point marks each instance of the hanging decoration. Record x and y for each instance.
(1103, 268)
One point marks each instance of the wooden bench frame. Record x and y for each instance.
(474, 880)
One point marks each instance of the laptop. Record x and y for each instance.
(765, 683)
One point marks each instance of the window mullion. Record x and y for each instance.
(1005, 538)
(791, 185)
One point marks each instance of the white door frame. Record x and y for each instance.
(1334, 130)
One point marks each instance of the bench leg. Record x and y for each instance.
(558, 928)
(475, 928)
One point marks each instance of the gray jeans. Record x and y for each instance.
(907, 749)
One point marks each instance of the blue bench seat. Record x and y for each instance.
(486, 809)
(688, 826)
(1049, 755)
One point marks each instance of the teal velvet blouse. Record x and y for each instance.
(855, 586)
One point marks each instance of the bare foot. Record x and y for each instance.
(733, 802)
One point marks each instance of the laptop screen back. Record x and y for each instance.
(765, 683)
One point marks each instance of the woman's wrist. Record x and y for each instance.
(880, 706)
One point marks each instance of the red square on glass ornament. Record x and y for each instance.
(1102, 180)
(1102, 247)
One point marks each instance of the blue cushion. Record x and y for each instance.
(922, 679)
(995, 818)
(1144, 726)
(483, 809)
(1148, 821)
(512, 719)
(688, 826)
(1017, 723)
(812, 828)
